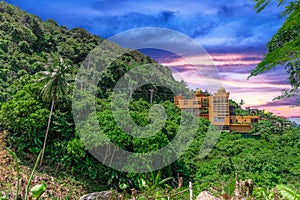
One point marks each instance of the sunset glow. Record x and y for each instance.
(257, 92)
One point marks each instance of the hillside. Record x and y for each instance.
(27, 44)
(32, 50)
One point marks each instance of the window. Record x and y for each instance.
(204, 102)
(204, 111)
(219, 119)
(196, 102)
(190, 110)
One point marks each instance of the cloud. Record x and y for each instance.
(283, 102)
(108, 26)
(217, 25)
(153, 7)
(202, 28)
(233, 34)
(283, 107)
(226, 11)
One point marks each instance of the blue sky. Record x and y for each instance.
(214, 24)
(232, 32)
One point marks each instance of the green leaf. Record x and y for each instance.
(38, 190)
(288, 192)
(142, 183)
(3, 198)
(165, 180)
(260, 5)
(123, 186)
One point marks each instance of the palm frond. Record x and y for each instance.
(288, 193)
(56, 79)
(261, 4)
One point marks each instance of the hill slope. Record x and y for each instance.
(27, 44)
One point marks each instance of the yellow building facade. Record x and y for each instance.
(216, 109)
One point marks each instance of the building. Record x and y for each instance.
(217, 110)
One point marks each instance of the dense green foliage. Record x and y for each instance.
(267, 163)
(24, 110)
(28, 46)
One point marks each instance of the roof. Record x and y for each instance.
(222, 90)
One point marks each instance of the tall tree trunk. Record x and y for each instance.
(47, 131)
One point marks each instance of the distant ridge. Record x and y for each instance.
(296, 120)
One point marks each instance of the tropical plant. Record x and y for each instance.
(56, 79)
(284, 47)
(288, 192)
(261, 193)
(123, 187)
(261, 4)
(37, 190)
(154, 182)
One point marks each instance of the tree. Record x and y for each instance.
(56, 80)
(284, 47)
(24, 116)
(242, 102)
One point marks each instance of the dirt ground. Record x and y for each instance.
(56, 188)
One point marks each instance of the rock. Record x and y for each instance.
(205, 196)
(104, 195)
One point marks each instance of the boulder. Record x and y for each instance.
(104, 195)
(205, 196)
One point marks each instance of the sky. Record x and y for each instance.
(232, 33)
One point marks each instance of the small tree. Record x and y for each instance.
(56, 79)
(242, 102)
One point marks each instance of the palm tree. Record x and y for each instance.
(56, 80)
